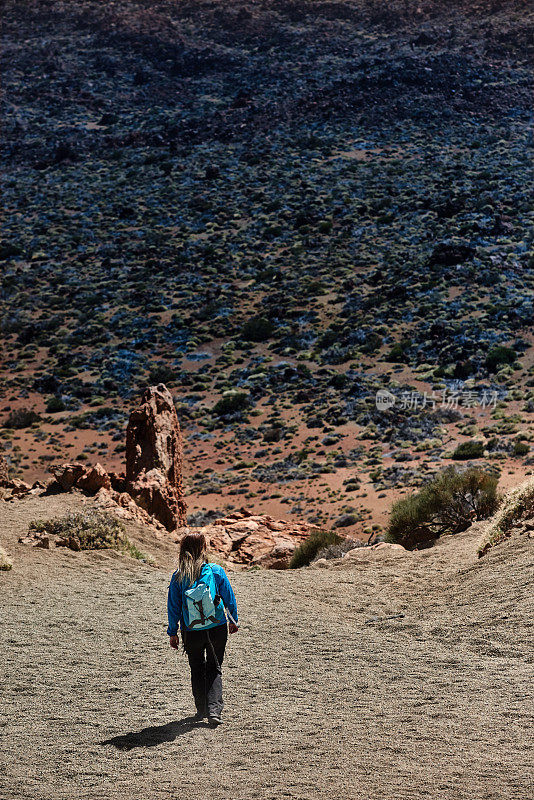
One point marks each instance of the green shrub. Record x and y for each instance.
(448, 504)
(518, 504)
(327, 339)
(8, 250)
(521, 449)
(54, 405)
(338, 381)
(88, 530)
(345, 520)
(498, 356)
(466, 450)
(274, 433)
(325, 226)
(161, 373)
(338, 550)
(257, 329)
(21, 418)
(397, 354)
(306, 552)
(230, 402)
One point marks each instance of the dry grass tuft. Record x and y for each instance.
(89, 530)
(518, 504)
(5, 561)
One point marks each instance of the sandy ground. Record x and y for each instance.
(325, 696)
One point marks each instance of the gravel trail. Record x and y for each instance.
(325, 696)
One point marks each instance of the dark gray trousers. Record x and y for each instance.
(206, 673)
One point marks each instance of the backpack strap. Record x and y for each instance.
(218, 598)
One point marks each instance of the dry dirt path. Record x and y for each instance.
(324, 697)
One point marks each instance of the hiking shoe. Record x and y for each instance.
(213, 722)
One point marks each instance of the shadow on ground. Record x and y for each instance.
(158, 734)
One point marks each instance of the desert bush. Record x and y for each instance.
(307, 551)
(518, 504)
(346, 519)
(338, 381)
(275, 432)
(447, 504)
(89, 530)
(54, 405)
(498, 356)
(466, 450)
(520, 449)
(398, 354)
(233, 401)
(338, 550)
(161, 373)
(21, 418)
(257, 329)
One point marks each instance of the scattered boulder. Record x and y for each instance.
(125, 507)
(34, 538)
(94, 479)
(118, 481)
(13, 486)
(43, 542)
(447, 254)
(376, 551)
(78, 476)
(19, 487)
(67, 475)
(256, 539)
(154, 458)
(72, 542)
(322, 563)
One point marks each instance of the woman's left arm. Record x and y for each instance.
(228, 596)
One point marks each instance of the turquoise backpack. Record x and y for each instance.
(201, 601)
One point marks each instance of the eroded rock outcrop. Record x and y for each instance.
(154, 458)
(11, 487)
(151, 490)
(79, 476)
(256, 539)
(68, 475)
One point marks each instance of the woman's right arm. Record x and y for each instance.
(174, 607)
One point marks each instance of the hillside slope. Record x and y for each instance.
(306, 202)
(325, 696)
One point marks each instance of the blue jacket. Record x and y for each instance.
(175, 599)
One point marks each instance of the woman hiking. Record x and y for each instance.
(198, 594)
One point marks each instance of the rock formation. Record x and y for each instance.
(67, 475)
(256, 539)
(151, 492)
(154, 458)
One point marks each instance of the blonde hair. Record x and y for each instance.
(192, 557)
